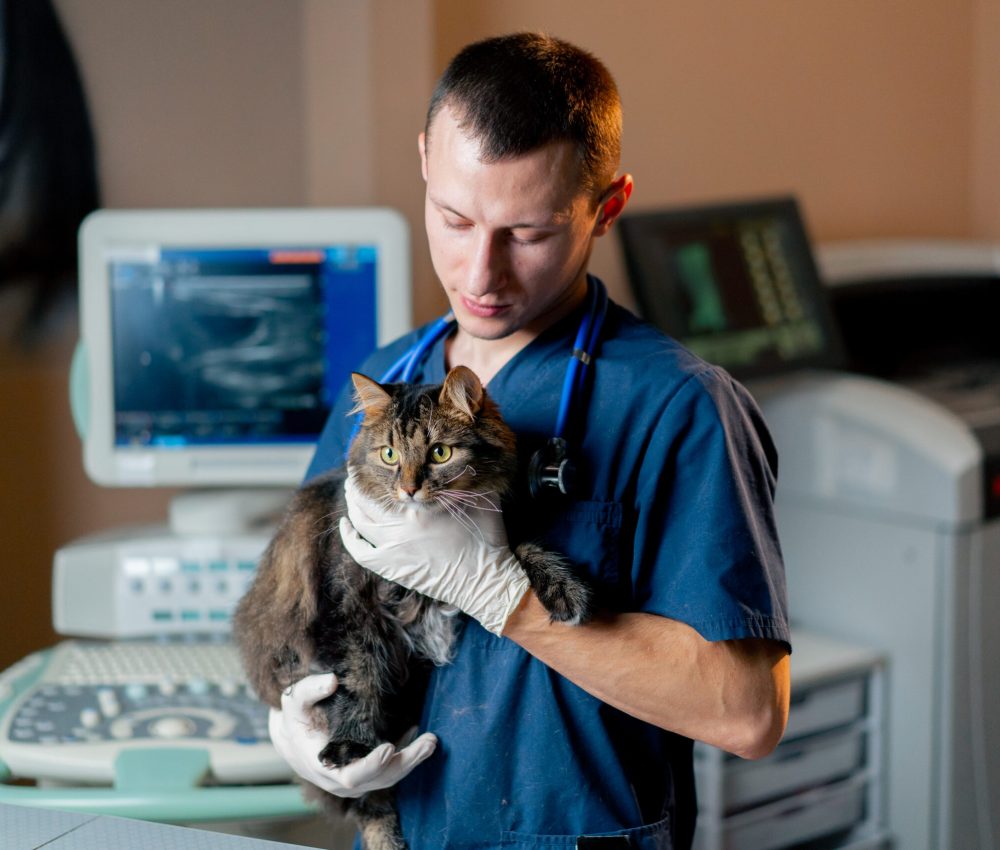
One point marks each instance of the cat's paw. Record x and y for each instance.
(562, 593)
(342, 751)
(567, 602)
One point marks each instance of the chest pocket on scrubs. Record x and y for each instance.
(589, 535)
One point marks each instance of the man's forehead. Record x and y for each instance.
(548, 176)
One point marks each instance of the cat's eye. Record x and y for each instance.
(440, 452)
(389, 455)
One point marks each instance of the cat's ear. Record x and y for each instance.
(369, 396)
(462, 391)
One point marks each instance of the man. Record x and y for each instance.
(540, 733)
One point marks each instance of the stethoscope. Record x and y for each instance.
(551, 467)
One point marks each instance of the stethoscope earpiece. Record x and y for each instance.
(550, 467)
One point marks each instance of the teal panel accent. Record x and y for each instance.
(236, 802)
(160, 769)
(79, 390)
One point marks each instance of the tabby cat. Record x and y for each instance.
(312, 609)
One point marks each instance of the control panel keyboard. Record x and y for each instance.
(78, 705)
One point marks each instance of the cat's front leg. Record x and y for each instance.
(563, 594)
(352, 727)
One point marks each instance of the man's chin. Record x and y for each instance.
(487, 329)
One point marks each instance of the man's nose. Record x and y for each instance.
(487, 264)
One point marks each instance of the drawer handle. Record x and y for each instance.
(792, 755)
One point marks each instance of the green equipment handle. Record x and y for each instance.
(190, 805)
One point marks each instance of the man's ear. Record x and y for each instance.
(613, 203)
(422, 147)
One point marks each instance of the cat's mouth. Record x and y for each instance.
(416, 499)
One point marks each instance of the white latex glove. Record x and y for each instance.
(299, 742)
(431, 552)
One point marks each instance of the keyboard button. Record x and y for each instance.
(107, 699)
(136, 691)
(172, 727)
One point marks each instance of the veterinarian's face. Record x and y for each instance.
(509, 239)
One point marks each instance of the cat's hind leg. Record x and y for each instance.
(374, 814)
(378, 822)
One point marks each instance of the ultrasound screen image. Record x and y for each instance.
(237, 346)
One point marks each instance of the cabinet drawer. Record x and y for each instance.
(810, 815)
(823, 707)
(793, 766)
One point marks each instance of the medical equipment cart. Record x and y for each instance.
(824, 784)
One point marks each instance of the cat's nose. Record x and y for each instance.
(409, 489)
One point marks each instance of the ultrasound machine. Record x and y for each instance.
(877, 367)
(212, 345)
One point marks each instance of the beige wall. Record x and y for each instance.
(195, 103)
(368, 70)
(985, 159)
(881, 115)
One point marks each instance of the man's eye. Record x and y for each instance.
(440, 452)
(528, 238)
(389, 455)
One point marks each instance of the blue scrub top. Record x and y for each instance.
(673, 516)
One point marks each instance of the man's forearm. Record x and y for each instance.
(731, 694)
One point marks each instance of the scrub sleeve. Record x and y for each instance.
(673, 517)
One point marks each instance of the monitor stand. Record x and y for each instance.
(227, 512)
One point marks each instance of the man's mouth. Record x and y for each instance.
(484, 311)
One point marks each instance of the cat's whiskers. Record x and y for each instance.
(460, 516)
(389, 502)
(468, 469)
(481, 501)
(334, 514)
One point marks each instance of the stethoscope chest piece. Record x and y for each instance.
(551, 468)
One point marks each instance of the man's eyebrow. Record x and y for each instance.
(441, 205)
(558, 218)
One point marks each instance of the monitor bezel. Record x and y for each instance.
(269, 465)
(636, 226)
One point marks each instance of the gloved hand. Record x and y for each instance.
(298, 741)
(431, 552)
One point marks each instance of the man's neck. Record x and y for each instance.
(486, 357)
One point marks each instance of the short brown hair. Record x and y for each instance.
(516, 93)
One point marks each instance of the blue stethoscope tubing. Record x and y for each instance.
(584, 350)
(403, 370)
(588, 336)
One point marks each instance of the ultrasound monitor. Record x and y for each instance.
(736, 283)
(213, 343)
